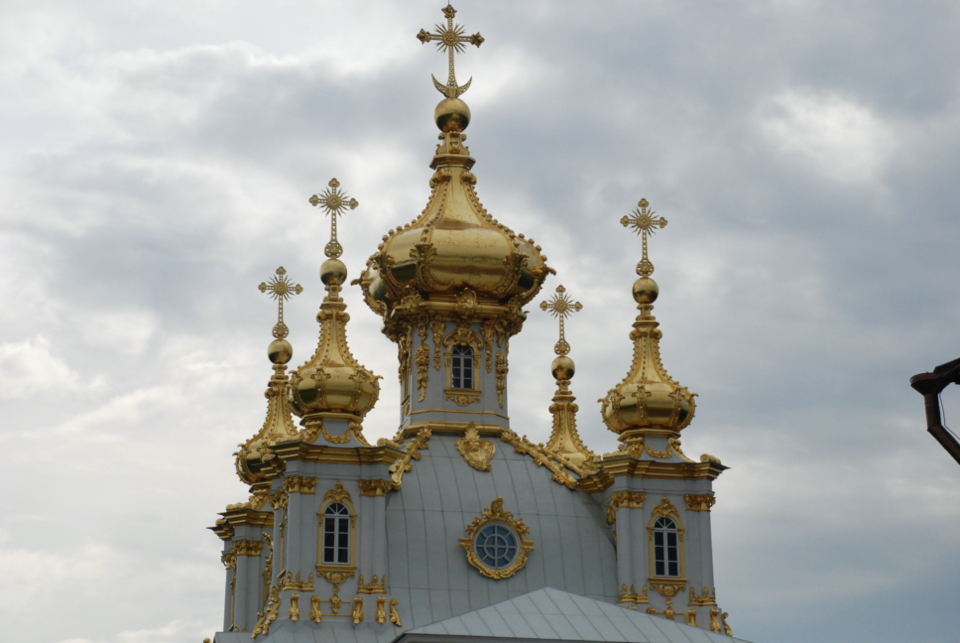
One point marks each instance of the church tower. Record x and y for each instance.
(458, 526)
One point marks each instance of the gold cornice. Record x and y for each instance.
(450, 428)
(304, 452)
(494, 413)
(233, 518)
(627, 466)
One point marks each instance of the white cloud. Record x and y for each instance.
(841, 138)
(30, 366)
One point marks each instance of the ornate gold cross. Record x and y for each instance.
(642, 221)
(452, 39)
(281, 289)
(334, 202)
(561, 306)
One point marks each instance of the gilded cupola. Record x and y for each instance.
(648, 402)
(278, 426)
(455, 246)
(332, 385)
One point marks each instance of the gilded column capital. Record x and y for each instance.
(373, 488)
(247, 547)
(699, 502)
(627, 499)
(299, 484)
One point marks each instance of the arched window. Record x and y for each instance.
(336, 534)
(666, 548)
(461, 373)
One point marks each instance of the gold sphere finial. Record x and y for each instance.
(280, 288)
(334, 202)
(561, 306)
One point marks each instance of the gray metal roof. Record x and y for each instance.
(552, 615)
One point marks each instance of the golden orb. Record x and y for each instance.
(563, 368)
(280, 351)
(645, 290)
(333, 272)
(452, 115)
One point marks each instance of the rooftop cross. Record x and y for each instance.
(452, 39)
(642, 221)
(334, 202)
(281, 289)
(561, 306)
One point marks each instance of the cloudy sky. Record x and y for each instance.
(157, 159)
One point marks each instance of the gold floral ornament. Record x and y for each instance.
(451, 39)
(281, 289)
(475, 451)
(496, 542)
(335, 203)
(643, 223)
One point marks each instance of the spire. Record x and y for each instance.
(647, 401)
(278, 427)
(332, 385)
(564, 440)
(451, 39)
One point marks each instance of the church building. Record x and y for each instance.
(458, 528)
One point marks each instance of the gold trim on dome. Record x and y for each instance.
(401, 466)
(699, 502)
(476, 452)
(542, 457)
(497, 514)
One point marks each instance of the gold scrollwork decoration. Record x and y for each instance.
(295, 584)
(422, 360)
(704, 599)
(668, 588)
(337, 494)
(335, 439)
(394, 615)
(357, 613)
(294, 607)
(541, 457)
(463, 400)
(502, 370)
(375, 586)
(269, 615)
(381, 616)
(476, 452)
(631, 595)
(316, 614)
(496, 513)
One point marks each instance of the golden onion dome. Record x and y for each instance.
(455, 244)
(333, 384)
(648, 401)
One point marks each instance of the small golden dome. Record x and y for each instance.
(563, 368)
(452, 115)
(647, 399)
(332, 381)
(280, 351)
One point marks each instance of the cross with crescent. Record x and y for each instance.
(281, 288)
(642, 221)
(561, 306)
(452, 39)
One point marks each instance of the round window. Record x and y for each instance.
(496, 546)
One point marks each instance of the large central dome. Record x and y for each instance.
(454, 245)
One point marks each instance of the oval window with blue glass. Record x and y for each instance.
(496, 545)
